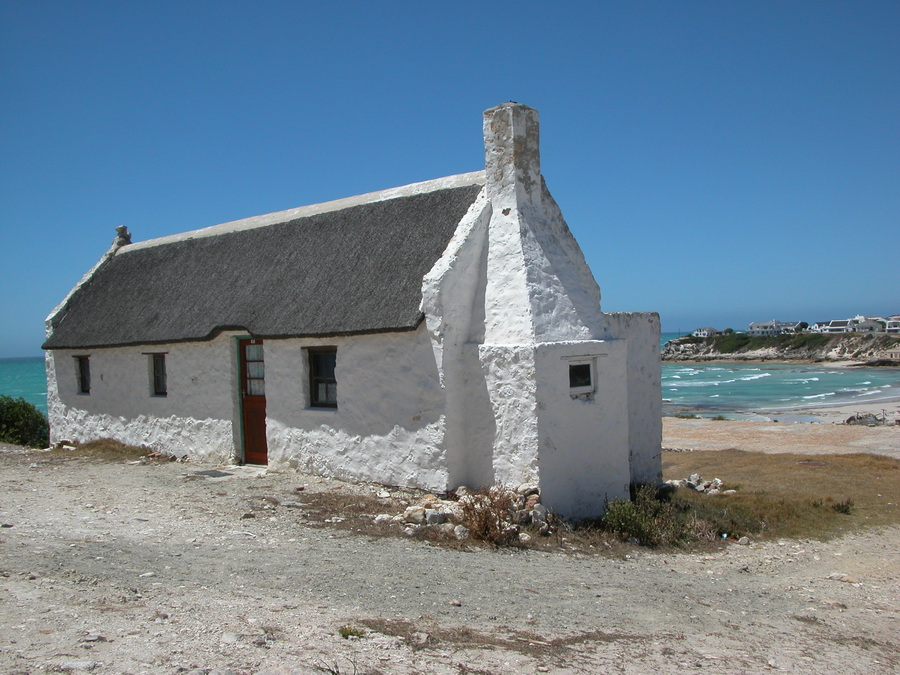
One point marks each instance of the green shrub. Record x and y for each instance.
(646, 517)
(681, 520)
(22, 424)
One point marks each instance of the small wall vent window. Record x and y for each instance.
(582, 377)
(322, 383)
(83, 373)
(579, 375)
(158, 383)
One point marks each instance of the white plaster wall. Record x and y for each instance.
(389, 425)
(195, 418)
(641, 330)
(583, 441)
(508, 378)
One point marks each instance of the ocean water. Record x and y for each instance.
(730, 389)
(747, 389)
(25, 378)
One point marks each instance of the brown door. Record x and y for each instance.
(253, 401)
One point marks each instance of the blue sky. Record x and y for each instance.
(718, 162)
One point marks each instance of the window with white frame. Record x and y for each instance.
(582, 374)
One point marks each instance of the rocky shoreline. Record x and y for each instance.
(863, 350)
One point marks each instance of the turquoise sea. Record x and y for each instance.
(25, 378)
(748, 390)
(718, 388)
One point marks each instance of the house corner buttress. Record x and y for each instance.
(569, 394)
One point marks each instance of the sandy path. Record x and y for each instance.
(116, 568)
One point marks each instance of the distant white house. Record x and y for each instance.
(892, 324)
(839, 326)
(819, 327)
(705, 332)
(759, 328)
(869, 325)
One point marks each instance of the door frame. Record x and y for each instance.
(239, 341)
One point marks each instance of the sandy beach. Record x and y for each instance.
(836, 414)
(825, 435)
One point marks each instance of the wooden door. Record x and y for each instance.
(253, 401)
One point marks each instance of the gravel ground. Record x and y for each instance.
(130, 568)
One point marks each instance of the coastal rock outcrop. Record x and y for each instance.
(871, 349)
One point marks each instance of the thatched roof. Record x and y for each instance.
(343, 271)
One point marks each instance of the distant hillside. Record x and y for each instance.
(806, 346)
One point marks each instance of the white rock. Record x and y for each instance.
(461, 532)
(526, 489)
(435, 517)
(384, 518)
(415, 514)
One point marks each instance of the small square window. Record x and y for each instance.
(158, 383)
(322, 383)
(83, 373)
(579, 375)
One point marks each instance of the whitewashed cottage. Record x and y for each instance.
(442, 333)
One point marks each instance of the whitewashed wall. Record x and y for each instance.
(583, 438)
(641, 331)
(389, 425)
(195, 418)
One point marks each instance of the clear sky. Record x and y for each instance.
(718, 162)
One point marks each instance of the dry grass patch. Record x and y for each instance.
(102, 450)
(348, 511)
(793, 495)
(428, 634)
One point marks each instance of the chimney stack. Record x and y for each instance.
(512, 155)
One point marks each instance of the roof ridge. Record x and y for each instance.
(253, 222)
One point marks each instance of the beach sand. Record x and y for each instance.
(830, 437)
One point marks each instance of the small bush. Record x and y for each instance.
(679, 521)
(646, 517)
(844, 507)
(486, 513)
(22, 424)
(349, 631)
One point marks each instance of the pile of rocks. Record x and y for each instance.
(521, 508)
(695, 482)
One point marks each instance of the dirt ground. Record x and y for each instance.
(131, 568)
